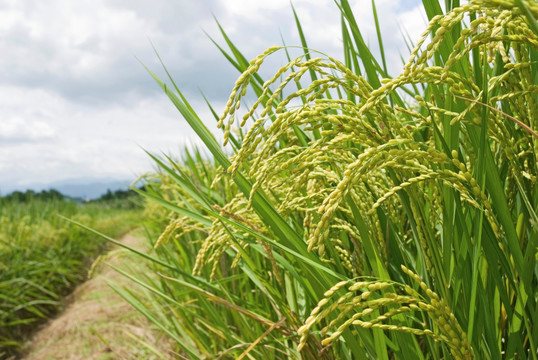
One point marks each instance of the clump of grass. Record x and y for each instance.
(354, 222)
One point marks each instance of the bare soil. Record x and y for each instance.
(97, 323)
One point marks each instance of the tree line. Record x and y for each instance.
(53, 194)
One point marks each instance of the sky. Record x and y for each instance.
(76, 102)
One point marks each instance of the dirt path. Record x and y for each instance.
(98, 323)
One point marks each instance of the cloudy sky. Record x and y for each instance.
(76, 103)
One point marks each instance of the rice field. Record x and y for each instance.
(348, 213)
(354, 214)
(42, 257)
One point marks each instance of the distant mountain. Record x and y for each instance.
(86, 189)
(90, 190)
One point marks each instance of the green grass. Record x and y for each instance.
(351, 222)
(42, 256)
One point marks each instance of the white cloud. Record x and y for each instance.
(321, 24)
(75, 102)
(23, 130)
(87, 141)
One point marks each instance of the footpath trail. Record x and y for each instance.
(97, 323)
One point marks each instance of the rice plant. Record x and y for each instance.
(362, 215)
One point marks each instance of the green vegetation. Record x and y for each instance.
(361, 215)
(42, 256)
(30, 195)
(120, 199)
(351, 215)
